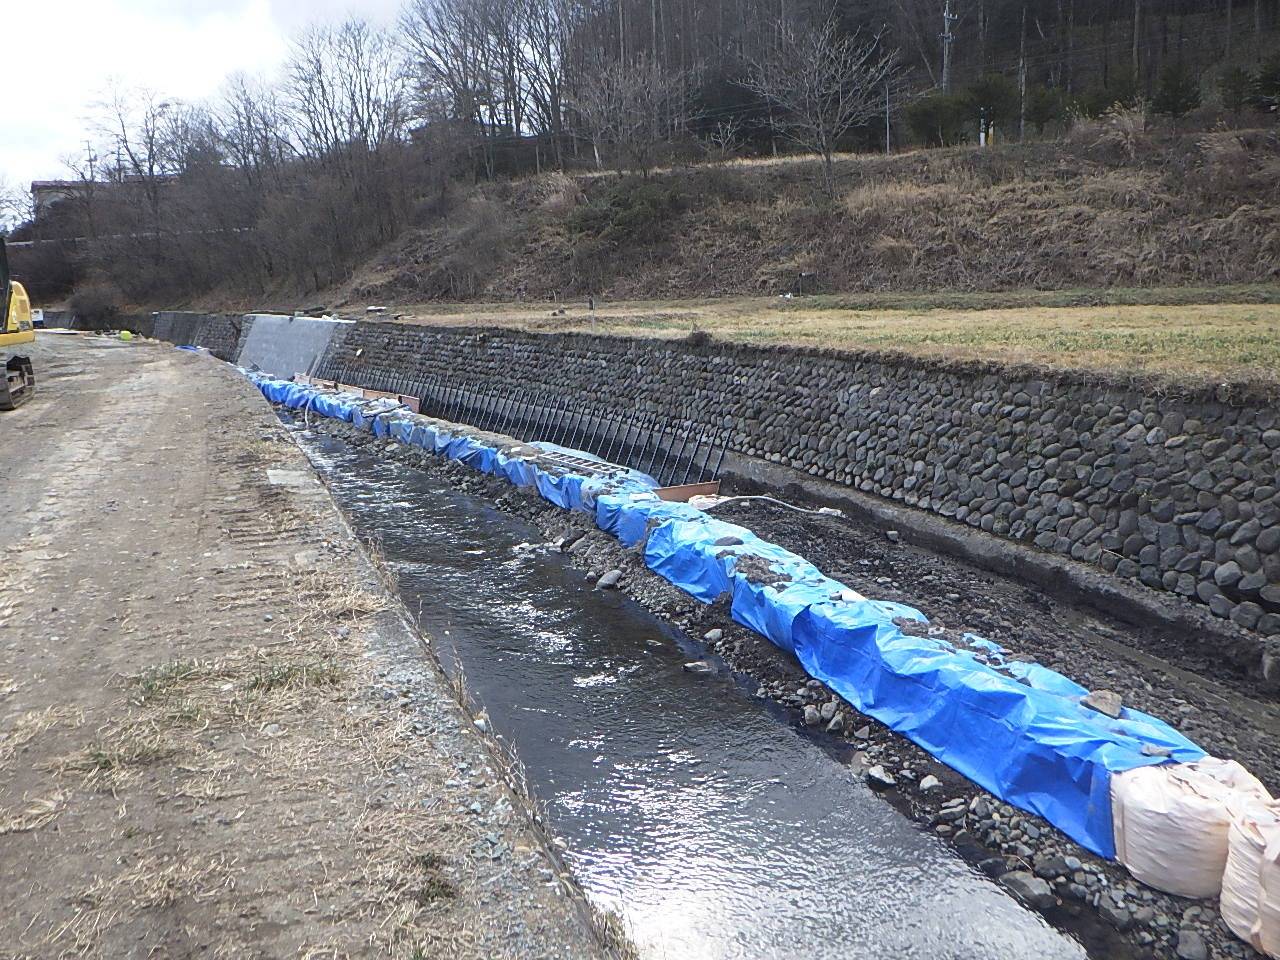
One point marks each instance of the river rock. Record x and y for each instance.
(1050, 867)
(879, 777)
(1106, 702)
(1191, 946)
(811, 715)
(1114, 913)
(713, 636)
(609, 581)
(929, 783)
(1030, 889)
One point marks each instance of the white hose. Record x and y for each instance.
(823, 511)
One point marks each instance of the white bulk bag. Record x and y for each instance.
(1170, 822)
(1251, 884)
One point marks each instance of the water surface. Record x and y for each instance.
(705, 818)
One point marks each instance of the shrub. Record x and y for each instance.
(1264, 93)
(1045, 105)
(995, 98)
(1124, 130)
(634, 211)
(938, 120)
(96, 305)
(1233, 88)
(1178, 92)
(1098, 100)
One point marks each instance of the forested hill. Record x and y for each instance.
(1073, 45)
(472, 146)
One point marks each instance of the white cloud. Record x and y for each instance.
(63, 55)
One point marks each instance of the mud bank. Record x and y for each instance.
(1094, 899)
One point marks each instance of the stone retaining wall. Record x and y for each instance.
(1179, 493)
(220, 333)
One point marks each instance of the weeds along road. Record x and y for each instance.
(217, 737)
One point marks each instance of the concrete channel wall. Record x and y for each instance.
(1178, 492)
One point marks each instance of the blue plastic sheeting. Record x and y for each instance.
(1030, 742)
(1016, 728)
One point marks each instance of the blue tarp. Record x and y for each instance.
(1016, 728)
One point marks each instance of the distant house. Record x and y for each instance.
(45, 193)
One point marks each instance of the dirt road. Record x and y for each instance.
(217, 735)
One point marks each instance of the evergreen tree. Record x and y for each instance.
(1178, 92)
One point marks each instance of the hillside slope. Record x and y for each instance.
(1110, 208)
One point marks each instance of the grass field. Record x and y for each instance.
(1215, 334)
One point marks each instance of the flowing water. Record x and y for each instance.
(709, 822)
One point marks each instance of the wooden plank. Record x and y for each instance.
(682, 492)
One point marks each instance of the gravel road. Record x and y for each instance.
(218, 735)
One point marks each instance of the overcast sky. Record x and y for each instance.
(62, 55)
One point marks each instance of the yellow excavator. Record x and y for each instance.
(15, 329)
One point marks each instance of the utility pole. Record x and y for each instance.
(887, 147)
(948, 18)
(1022, 78)
(1137, 8)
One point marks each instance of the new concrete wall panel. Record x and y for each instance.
(283, 345)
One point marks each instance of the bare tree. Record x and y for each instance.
(824, 84)
(16, 205)
(253, 129)
(344, 86)
(452, 63)
(631, 107)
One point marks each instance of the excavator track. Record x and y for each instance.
(19, 383)
(15, 328)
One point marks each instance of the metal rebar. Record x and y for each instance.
(706, 461)
(616, 455)
(615, 423)
(549, 428)
(657, 447)
(579, 430)
(642, 440)
(563, 433)
(571, 427)
(684, 442)
(724, 446)
(666, 456)
(693, 458)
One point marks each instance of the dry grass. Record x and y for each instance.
(1199, 341)
(32, 815)
(298, 703)
(28, 726)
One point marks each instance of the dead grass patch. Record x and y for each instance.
(163, 880)
(32, 815)
(323, 596)
(292, 675)
(32, 724)
(121, 752)
(1232, 335)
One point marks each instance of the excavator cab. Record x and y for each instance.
(15, 328)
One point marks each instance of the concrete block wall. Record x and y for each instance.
(1177, 492)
